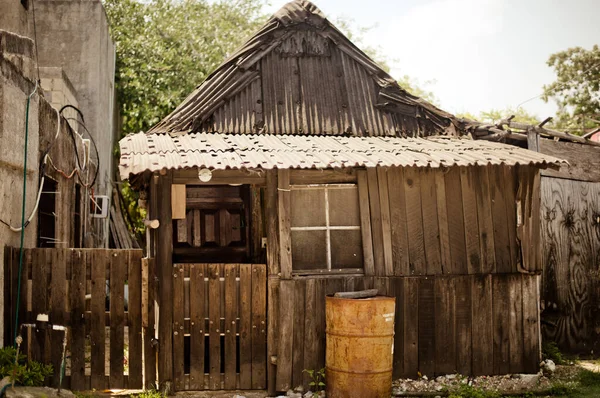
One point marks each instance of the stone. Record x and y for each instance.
(37, 392)
(548, 366)
(530, 380)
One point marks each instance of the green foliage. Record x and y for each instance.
(148, 394)
(31, 374)
(418, 88)
(495, 115)
(317, 378)
(577, 88)
(467, 391)
(562, 388)
(550, 351)
(165, 48)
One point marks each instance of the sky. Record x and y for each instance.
(474, 55)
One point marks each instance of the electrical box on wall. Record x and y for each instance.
(99, 206)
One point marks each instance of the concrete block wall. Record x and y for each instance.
(59, 91)
(14, 90)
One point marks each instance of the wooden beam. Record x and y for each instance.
(284, 209)
(164, 259)
(327, 176)
(220, 177)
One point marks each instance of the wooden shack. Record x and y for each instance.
(300, 168)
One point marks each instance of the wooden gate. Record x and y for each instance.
(219, 326)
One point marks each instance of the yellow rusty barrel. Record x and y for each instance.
(360, 344)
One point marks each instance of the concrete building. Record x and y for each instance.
(76, 66)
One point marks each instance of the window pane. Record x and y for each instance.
(308, 207)
(343, 207)
(309, 250)
(346, 249)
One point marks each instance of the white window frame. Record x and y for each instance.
(327, 227)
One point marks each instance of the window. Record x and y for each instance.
(325, 229)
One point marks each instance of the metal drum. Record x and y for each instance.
(360, 344)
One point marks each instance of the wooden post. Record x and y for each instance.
(164, 259)
(285, 239)
(273, 270)
(533, 140)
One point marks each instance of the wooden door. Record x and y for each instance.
(216, 227)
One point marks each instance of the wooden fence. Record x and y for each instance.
(97, 294)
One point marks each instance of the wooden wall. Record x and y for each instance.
(570, 228)
(571, 278)
(471, 324)
(459, 248)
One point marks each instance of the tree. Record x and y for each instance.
(576, 89)
(165, 48)
(495, 115)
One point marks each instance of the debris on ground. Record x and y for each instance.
(37, 392)
(453, 382)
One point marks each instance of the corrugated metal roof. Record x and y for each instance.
(141, 152)
(300, 75)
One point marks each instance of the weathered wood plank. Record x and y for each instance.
(178, 326)
(414, 221)
(411, 329)
(456, 224)
(431, 230)
(298, 346)
(426, 326)
(259, 324)
(77, 293)
(376, 230)
(283, 210)
(583, 160)
(286, 335)
(214, 316)
(442, 212)
(118, 266)
(531, 323)
(501, 302)
(231, 312)
(397, 290)
(516, 329)
(245, 326)
(39, 300)
(483, 336)
(365, 222)
(149, 330)
(462, 286)
(398, 221)
(99, 263)
(445, 332)
(272, 331)
(58, 292)
(198, 298)
(134, 281)
(467, 181)
(485, 221)
(384, 201)
(511, 214)
(310, 328)
(501, 236)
